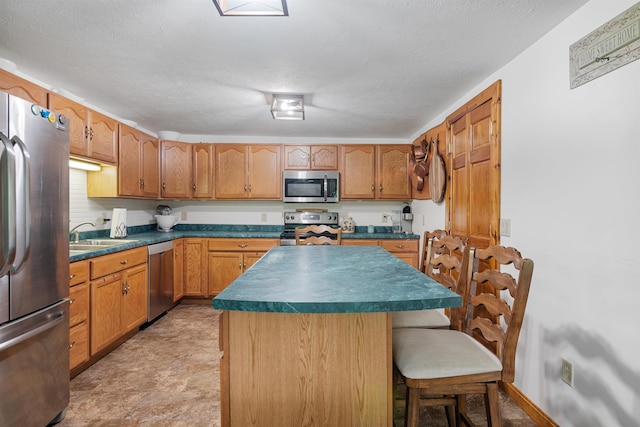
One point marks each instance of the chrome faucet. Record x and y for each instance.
(76, 233)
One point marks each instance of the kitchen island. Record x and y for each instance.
(306, 335)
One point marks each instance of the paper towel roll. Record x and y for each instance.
(119, 223)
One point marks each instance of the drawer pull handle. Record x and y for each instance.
(400, 246)
(243, 245)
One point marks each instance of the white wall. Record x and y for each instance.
(570, 187)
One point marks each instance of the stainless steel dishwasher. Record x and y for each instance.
(160, 279)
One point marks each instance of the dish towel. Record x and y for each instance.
(119, 223)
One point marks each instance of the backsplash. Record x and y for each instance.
(141, 212)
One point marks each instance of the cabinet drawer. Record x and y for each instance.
(78, 272)
(248, 245)
(79, 304)
(78, 344)
(396, 245)
(112, 263)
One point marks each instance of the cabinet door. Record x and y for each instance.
(357, 171)
(136, 297)
(224, 268)
(297, 157)
(103, 138)
(106, 311)
(176, 169)
(195, 267)
(324, 157)
(22, 88)
(231, 171)
(130, 180)
(150, 166)
(178, 270)
(78, 126)
(202, 171)
(264, 172)
(251, 258)
(393, 172)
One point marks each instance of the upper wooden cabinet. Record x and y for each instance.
(304, 157)
(202, 171)
(22, 88)
(248, 172)
(175, 170)
(375, 172)
(91, 134)
(138, 171)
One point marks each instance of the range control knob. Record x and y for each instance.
(62, 119)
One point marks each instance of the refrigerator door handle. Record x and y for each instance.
(23, 207)
(49, 322)
(7, 205)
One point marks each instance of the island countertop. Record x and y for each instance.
(333, 279)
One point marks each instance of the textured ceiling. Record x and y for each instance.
(367, 68)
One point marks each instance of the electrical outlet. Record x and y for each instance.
(184, 215)
(567, 372)
(505, 227)
(263, 217)
(384, 219)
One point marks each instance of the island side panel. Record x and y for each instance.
(293, 369)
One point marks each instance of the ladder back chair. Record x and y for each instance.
(318, 235)
(444, 266)
(440, 367)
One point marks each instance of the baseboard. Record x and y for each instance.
(528, 406)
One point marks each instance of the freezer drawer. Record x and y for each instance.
(34, 367)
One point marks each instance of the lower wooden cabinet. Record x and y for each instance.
(229, 258)
(195, 267)
(78, 313)
(178, 269)
(119, 295)
(405, 249)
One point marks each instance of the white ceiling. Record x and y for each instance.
(367, 68)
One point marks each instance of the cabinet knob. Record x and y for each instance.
(373, 188)
(124, 262)
(381, 188)
(72, 344)
(164, 185)
(243, 245)
(194, 187)
(240, 265)
(71, 301)
(71, 276)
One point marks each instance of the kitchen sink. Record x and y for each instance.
(95, 244)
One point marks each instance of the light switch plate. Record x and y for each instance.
(505, 227)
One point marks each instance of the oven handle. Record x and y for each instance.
(326, 187)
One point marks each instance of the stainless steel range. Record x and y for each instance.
(293, 220)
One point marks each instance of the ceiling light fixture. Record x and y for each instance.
(287, 107)
(252, 8)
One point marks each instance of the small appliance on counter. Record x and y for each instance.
(401, 220)
(164, 219)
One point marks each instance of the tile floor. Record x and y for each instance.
(168, 375)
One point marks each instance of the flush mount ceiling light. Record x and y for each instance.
(287, 107)
(252, 8)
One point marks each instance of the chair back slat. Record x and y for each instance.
(490, 318)
(318, 235)
(426, 252)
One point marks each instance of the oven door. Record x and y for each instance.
(310, 186)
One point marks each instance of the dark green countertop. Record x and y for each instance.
(333, 279)
(146, 235)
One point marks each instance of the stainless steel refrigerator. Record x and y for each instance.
(34, 264)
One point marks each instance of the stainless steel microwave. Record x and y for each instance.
(310, 186)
